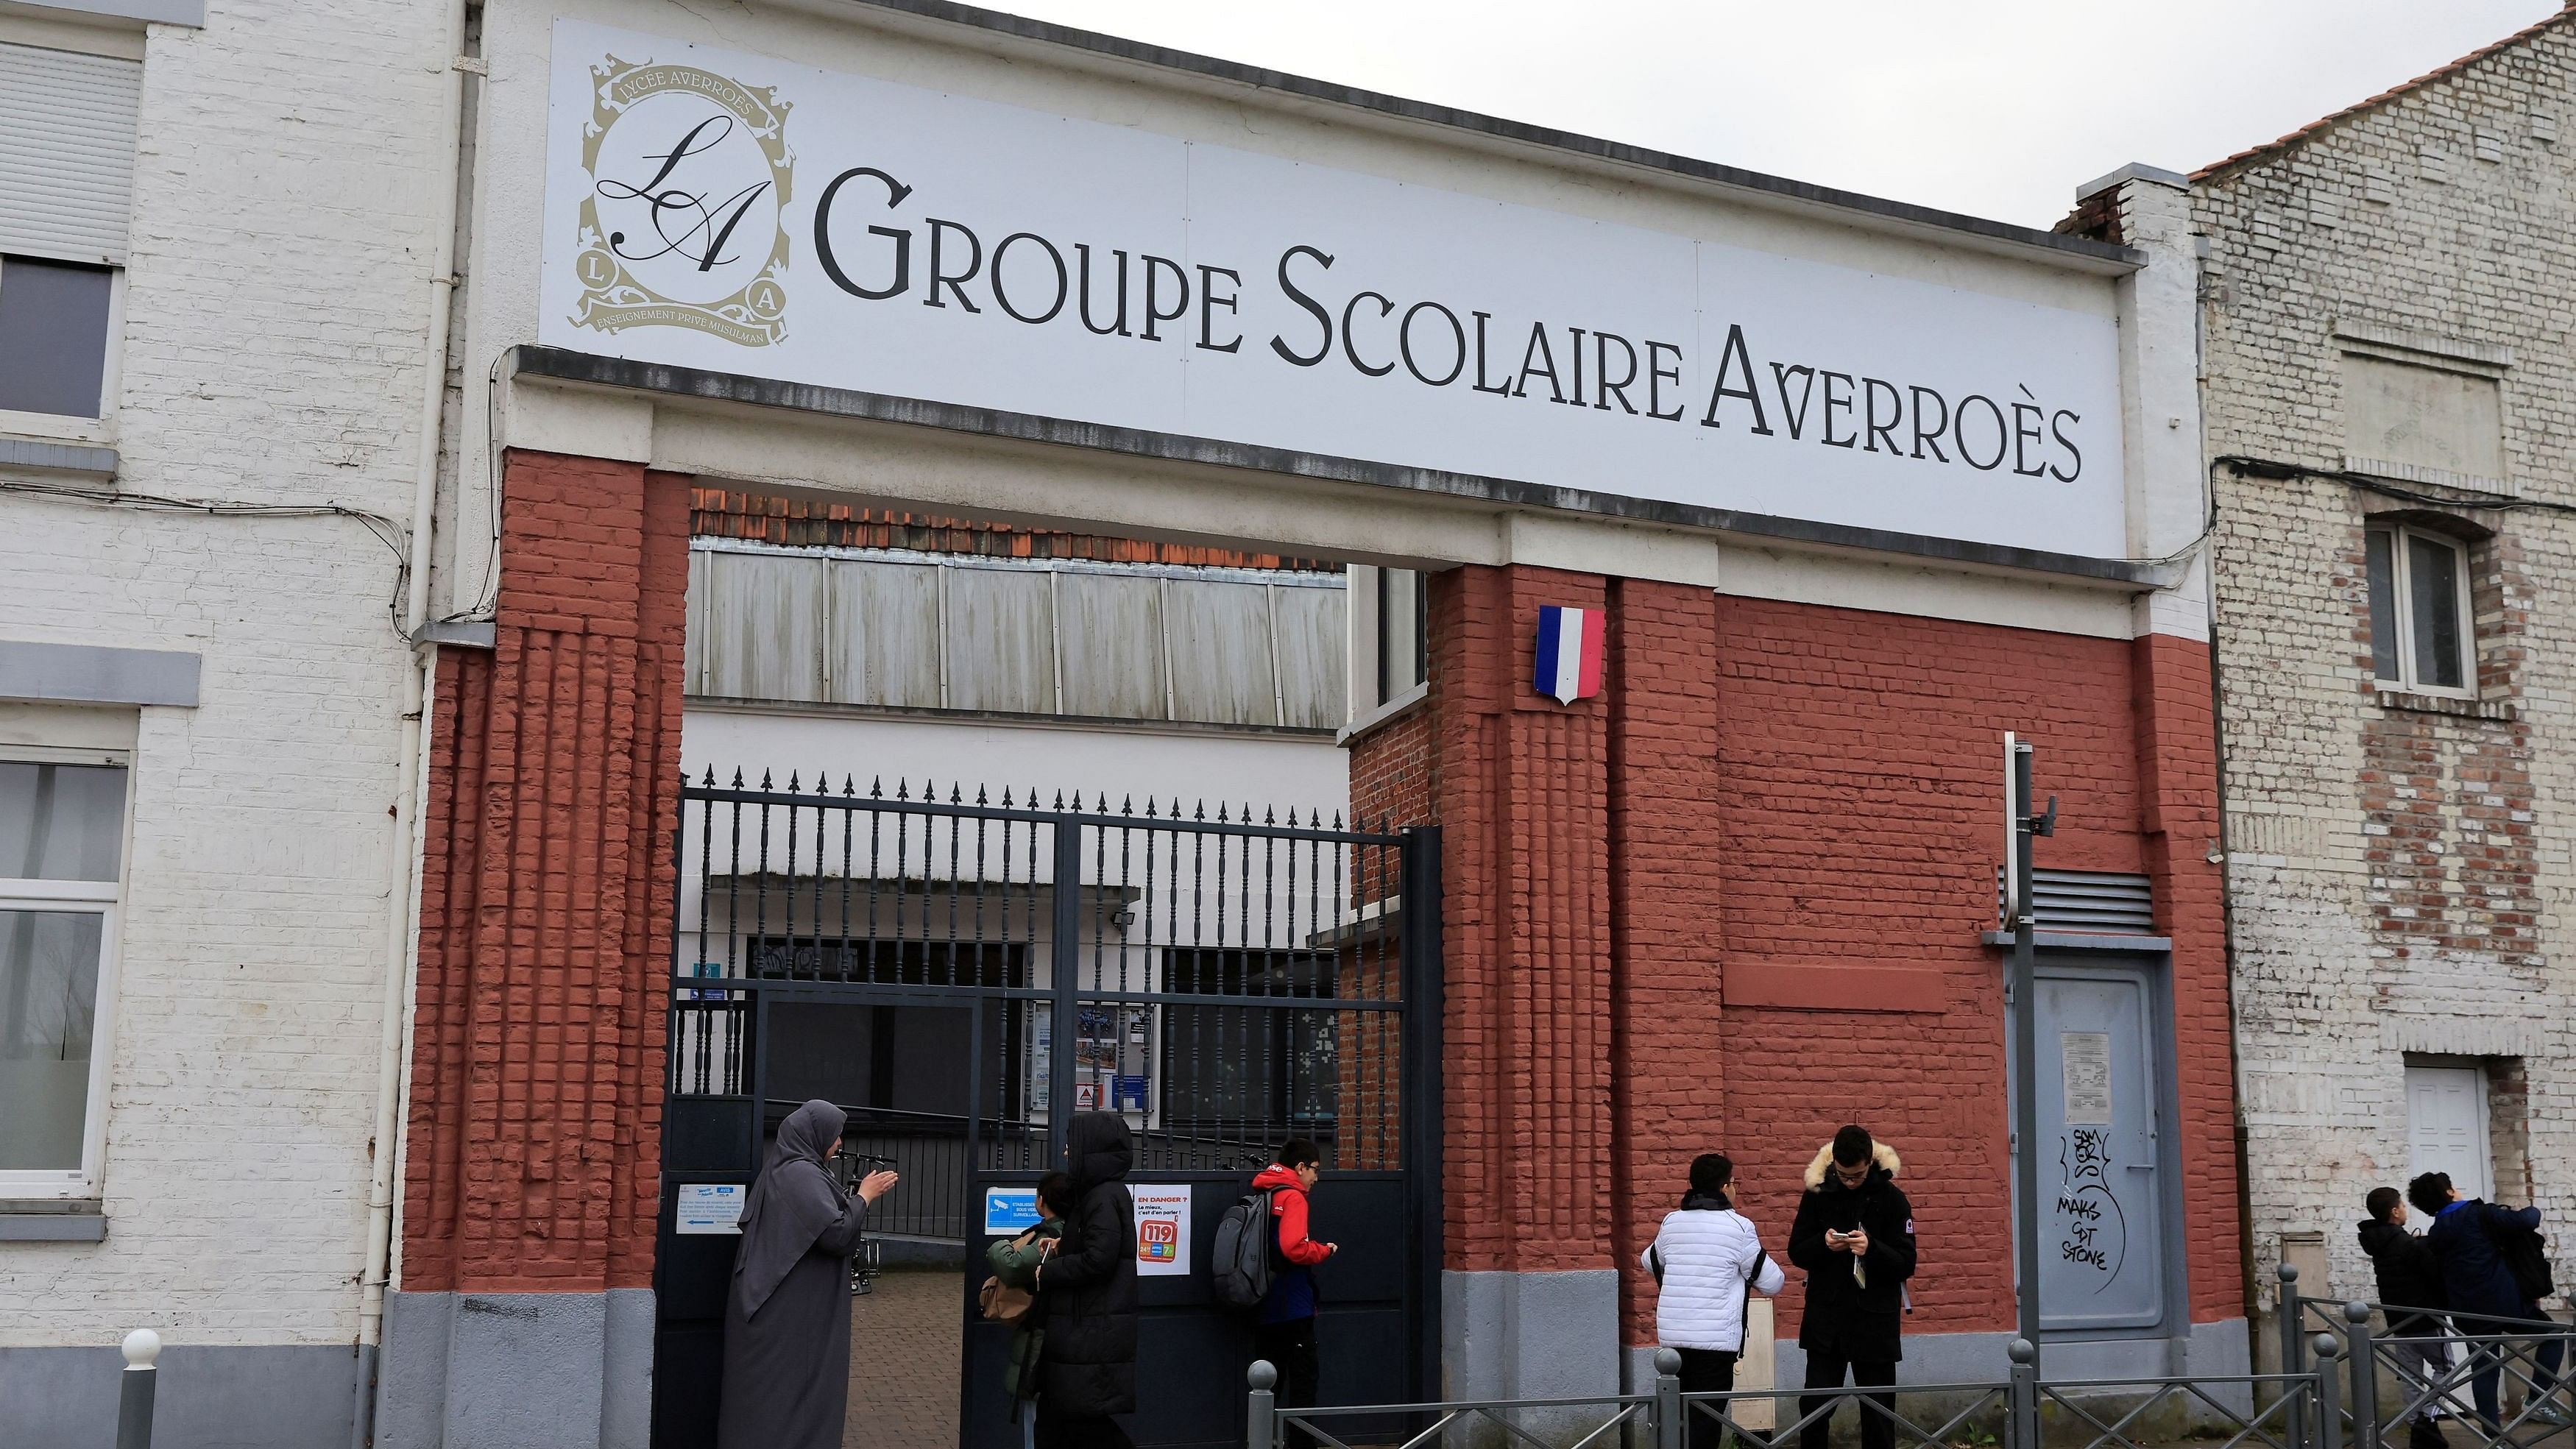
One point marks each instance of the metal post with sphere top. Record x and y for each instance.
(134, 1400)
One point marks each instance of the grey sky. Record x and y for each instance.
(1994, 107)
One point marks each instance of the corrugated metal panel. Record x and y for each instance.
(2087, 902)
(1112, 631)
(695, 651)
(1221, 658)
(1001, 640)
(764, 626)
(1314, 644)
(881, 639)
(66, 153)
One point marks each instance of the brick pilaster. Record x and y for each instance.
(533, 1151)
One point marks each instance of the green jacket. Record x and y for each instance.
(1015, 1262)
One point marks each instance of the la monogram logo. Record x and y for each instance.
(683, 223)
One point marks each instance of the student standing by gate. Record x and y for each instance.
(1706, 1260)
(1087, 1296)
(1285, 1332)
(1855, 1237)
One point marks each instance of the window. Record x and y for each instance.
(2420, 637)
(67, 126)
(1389, 658)
(53, 336)
(62, 831)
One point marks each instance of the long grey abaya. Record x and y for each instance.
(787, 1314)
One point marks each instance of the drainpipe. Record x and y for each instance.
(404, 851)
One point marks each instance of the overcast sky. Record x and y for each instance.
(1993, 107)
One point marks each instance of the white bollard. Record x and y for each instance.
(134, 1399)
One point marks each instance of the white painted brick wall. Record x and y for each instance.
(2351, 228)
(272, 353)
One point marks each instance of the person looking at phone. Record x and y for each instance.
(1284, 1335)
(1854, 1236)
(787, 1311)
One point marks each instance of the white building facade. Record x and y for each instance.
(222, 322)
(2388, 384)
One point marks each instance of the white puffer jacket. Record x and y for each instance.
(1706, 1255)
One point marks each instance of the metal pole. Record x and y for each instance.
(2021, 1405)
(1669, 1412)
(2364, 1368)
(2329, 1413)
(134, 1397)
(2025, 1048)
(1258, 1431)
(1064, 973)
(2294, 1359)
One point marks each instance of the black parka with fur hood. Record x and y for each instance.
(1860, 1319)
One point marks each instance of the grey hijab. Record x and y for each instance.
(790, 1204)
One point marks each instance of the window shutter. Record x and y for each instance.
(66, 153)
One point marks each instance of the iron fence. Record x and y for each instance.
(2481, 1383)
(962, 972)
(2021, 1411)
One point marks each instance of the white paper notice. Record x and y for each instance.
(711, 1207)
(2086, 1062)
(1162, 1231)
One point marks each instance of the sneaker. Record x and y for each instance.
(2551, 1414)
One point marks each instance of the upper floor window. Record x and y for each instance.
(2420, 630)
(1389, 660)
(67, 126)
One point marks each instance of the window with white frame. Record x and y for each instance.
(2421, 638)
(62, 835)
(67, 140)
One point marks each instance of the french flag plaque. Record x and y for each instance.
(1569, 653)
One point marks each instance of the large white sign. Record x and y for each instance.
(737, 213)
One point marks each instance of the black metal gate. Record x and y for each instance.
(961, 974)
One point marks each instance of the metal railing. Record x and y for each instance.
(2021, 1411)
(2394, 1379)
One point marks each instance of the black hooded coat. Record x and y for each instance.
(1087, 1292)
(1862, 1321)
(2409, 1276)
(787, 1310)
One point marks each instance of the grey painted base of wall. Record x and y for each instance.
(517, 1371)
(1529, 1336)
(205, 1397)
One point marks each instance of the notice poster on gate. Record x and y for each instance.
(1162, 1231)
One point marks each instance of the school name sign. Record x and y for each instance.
(740, 214)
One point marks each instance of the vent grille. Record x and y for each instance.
(2086, 903)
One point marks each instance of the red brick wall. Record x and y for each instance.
(723, 513)
(2178, 770)
(534, 1143)
(1668, 1080)
(1391, 772)
(1526, 1143)
(1765, 783)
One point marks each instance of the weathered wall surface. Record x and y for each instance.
(2399, 864)
(271, 354)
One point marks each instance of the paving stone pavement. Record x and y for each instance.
(905, 1340)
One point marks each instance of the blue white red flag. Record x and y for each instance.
(1569, 652)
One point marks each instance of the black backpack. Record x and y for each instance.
(2528, 1260)
(1240, 1256)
